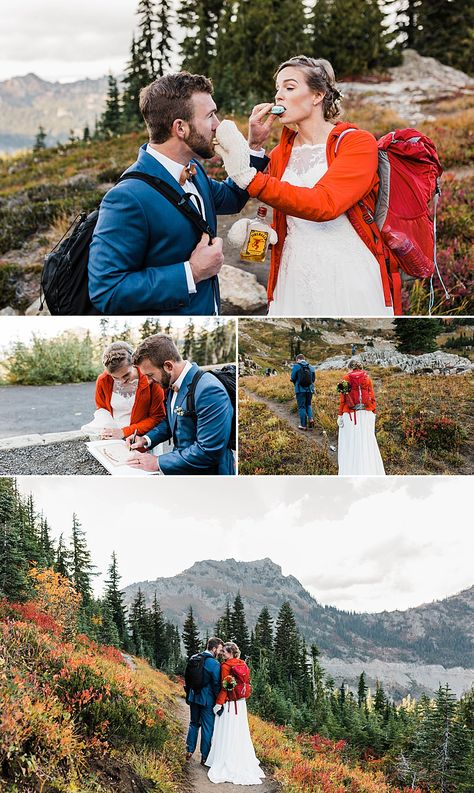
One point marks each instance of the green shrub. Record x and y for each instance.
(65, 359)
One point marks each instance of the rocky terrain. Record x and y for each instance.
(430, 363)
(409, 650)
(27, 102)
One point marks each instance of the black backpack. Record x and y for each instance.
(306, 377)
(195, 673)
(227, 375)
(64, 280)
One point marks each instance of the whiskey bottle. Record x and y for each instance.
(257, 238)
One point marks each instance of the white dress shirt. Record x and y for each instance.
(175, 169)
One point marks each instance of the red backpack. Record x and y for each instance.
(242, 689)
(359, 396)
(405, 211)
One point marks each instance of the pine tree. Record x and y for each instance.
(189, 341)
(199, 20)
(111, 120)
(151, 326)
(86, 134)
(163, 37)
(107, 632)
(63, 559)
(14, 583)
(40, 139)
(287, 643)
(82, 568)
(451, 42)
(362, 691)
(160, 649)
(136, 77)
(417, 336)
(262, 643)
(146, 36)
(240, 631)
(191, 639)
(404, 16)
(47, 558)
(223, 627)
(114, 598)
(138, 622)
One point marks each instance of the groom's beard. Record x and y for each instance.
(198, 143)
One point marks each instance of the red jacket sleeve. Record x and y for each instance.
(101, 399)
(156, 414)
(349, 178)
(226, 669)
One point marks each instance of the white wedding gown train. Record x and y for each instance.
(232, 757)
(358, 450)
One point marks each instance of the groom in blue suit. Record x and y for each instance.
(200, 440)
(146, 257)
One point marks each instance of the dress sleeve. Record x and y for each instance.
(348, 179)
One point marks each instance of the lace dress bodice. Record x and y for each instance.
(325, 268)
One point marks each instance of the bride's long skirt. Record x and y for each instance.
(358, 450)
(232, 757)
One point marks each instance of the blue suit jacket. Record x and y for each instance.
(200, 447)
(207, 695)
(141, 241)
(295, 378)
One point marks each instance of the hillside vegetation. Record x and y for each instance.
(40, 193)
(423, 423)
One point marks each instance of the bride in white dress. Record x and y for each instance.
(358, 451)
(232, 757)
(328, 260)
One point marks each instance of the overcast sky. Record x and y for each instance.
(360, 544)
(65, 41)
(23, 328)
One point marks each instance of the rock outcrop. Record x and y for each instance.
(439, 363)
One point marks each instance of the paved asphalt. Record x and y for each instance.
(46, 408)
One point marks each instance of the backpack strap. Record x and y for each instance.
(344, 131)
(180, 202)
(190, 396)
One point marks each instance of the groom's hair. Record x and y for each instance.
(169, 98)
(213, 642)
(300, 357)
(157, 349)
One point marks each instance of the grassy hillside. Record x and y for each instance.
(423, 426)
(75, 717)
(41, 192)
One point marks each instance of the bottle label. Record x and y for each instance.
(256, 243)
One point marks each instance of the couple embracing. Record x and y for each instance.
(156, 252)
(216, 691)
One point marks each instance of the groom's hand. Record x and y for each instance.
(139, 443)
(145, 462)
(260, 124)
(218, 710)
(206, 259)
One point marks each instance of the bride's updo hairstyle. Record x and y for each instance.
(319, 76)
(117, 355)
(232, 648)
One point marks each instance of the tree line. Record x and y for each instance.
(428, 744)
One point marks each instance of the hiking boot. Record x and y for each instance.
(311, 424)
(300, 427)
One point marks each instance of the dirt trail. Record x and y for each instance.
(284, 412)
(198, 781)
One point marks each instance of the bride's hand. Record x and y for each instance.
(260, 123)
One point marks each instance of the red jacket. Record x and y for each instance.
(149, 406)
(226, 669)
(351, 176)
(344, 408)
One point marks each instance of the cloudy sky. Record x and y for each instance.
(65, 41)
(360, 544)
(22, 328)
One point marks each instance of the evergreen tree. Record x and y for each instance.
(224, 624)
(47, 557)
(417, 336)
(191, 639)
(86, 134)
(262, 644)
(151, 326)
(146, 36)
(63, 559)
(136, 77)
(138, 622)
(40, 139)
(82, 568)
(163, 37)
(359, 23)
(404, 15)
(160, 649)
(14, 583)
(199, 20)
(287, 643)
(111, 122)
(451, 42)
(189, 340)
(362, 691)
(107, 632)
(240, 631)
(113, 597)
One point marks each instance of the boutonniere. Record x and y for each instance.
(179, 411)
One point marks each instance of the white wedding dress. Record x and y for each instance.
(232, 757)
(358, 451)
(325, 268)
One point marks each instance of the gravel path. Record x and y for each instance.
(198, 781)
(71, 457)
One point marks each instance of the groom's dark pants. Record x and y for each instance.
(303, 400)
(202, 716)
